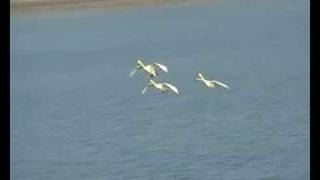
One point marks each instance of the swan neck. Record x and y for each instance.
(152, 82)
(201, 77)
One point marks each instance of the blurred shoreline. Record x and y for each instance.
(28, 6)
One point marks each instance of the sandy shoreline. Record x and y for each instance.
(27, 6)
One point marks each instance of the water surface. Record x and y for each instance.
(77, 115)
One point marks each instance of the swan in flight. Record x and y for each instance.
(151, 69)
(162, 87)
(211, 83)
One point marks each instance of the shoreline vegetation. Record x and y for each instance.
(27, 6)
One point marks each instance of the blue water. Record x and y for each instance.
(77, 115)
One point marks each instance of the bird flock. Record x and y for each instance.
(152, 70)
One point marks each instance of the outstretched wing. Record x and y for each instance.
(221, 84)
(162, 67)
(133, 72)
(171, 87)
(144, 90)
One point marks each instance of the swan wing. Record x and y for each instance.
(144, 90)
(133, 72)
(162, 67)
(221, 84)
(171, 87)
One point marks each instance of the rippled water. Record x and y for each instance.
(76, 113)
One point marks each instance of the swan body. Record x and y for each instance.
(211, 83)
(150, 69)
(162, 87)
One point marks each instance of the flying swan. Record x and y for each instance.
(151, 69)
(162, 87)
(211, 83)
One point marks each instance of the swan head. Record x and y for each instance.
(151, 82)
(139, 64)
(199, 76)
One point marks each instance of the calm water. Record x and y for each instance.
(77, 115)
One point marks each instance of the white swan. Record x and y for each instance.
(162, 87)
(211, 83)
(151, 69)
